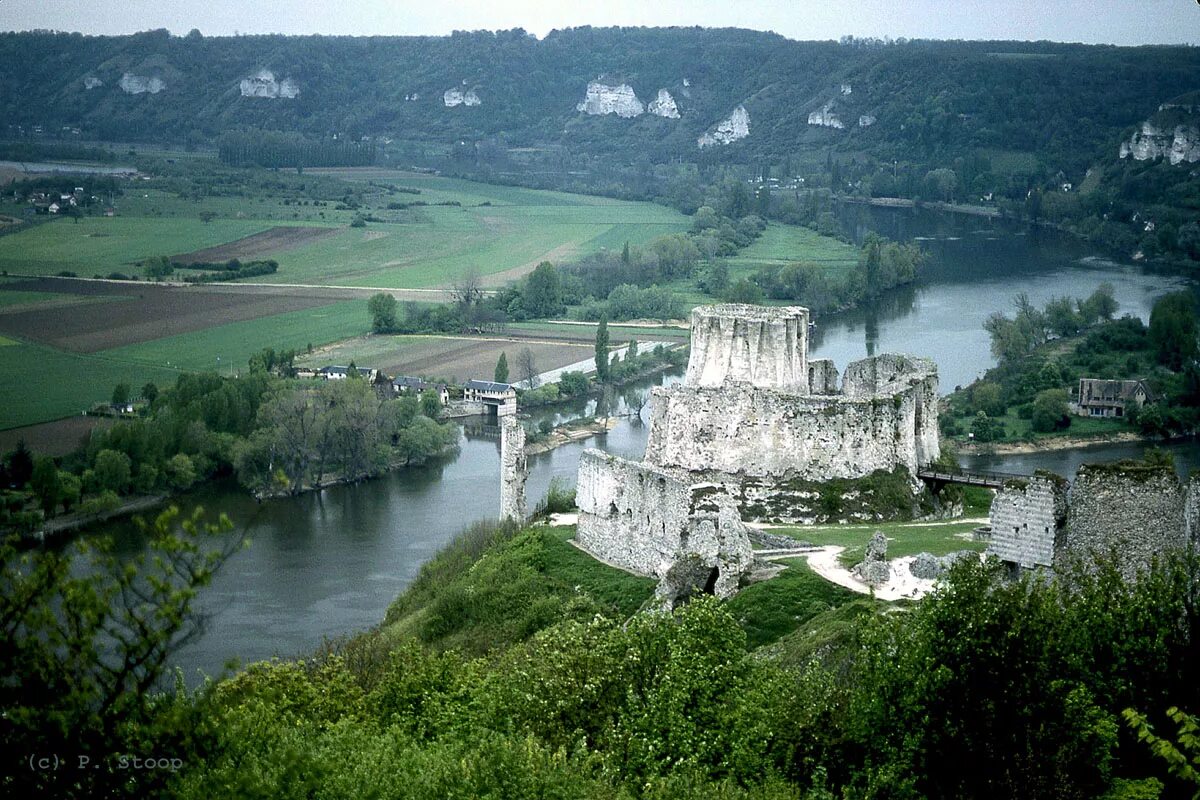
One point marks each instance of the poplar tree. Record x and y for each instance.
(602, 349)
(501, 373)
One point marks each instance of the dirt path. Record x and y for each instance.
(903, 585)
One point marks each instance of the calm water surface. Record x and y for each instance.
(328, 564)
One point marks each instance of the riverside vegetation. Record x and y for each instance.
(516, 666)
(278, 435)
(1042, 353)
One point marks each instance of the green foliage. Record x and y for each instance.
(46, 484)
(1050, 411)
(112, 471)
(85, 650)
(543, 294)
(1174, 330)
(120, 395)
(1182, 755)
(382, 308)
(602, 349)
(772, 609)
(500, 375)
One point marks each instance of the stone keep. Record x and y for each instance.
(513, 469)
(752, 411)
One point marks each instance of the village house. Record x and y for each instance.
(496, 398)
(406, 384)
(1111, 398)
(338, 373)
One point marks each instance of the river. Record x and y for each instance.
(328, 564)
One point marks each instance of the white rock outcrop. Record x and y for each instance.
(846, 89)
(866, 120)
(601, 98)
(457, 97)
(735, 126)
(264, 84)
(141, 84)
(826, 117)
(664, 105)
(92, 82)
(1180, 144)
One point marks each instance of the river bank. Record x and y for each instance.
(566, 434)
(1051, 444)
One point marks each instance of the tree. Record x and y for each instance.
(69, 490)
(527, 368)
(431, 404)
(112, 470)
(207, 216)
(543, 292)
(602, 349)
(468, 289)
(382, 307)
(985, 429)
(1100, 304)
(159, 268)
(120, 395)
(500, 375)
(45, 484)
(20, 464)
(181, 472)
(1050, 411)
(150, 393)
(744, 291)
(84, 649)
(1173, 330)
(572, 383)
(631, 355)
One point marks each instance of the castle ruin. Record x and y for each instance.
(513, 469)
(752, 418)
(1131, 511)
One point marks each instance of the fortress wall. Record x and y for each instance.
(1027, 519)
(1139, 511)
(513, 469)
(761, 346)
(749, 432)
(654, 522)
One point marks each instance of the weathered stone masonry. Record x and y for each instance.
(513, 469)
(752, 411)
(1135, 511)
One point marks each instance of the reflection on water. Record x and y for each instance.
(329, 563)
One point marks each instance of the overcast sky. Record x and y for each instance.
(1092, 21)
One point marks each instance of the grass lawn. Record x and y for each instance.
(235, 342)
(786, 244)
(47, 384)
(771, 609)
(904, 538)
(616, 333)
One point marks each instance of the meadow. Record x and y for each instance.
(785, 244)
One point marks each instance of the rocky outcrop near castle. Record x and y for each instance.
(141, 84)
(1172, 133)
(729, 130)
(264, 84)
(601, 98)
(664, 105)
(457, 97)
(827, 118)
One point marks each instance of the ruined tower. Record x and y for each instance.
(513, 469)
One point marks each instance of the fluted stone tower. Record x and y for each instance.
(756, 345)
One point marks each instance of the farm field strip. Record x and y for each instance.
(785, 244)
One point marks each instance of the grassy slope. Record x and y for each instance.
(904, 538)
(47, 384)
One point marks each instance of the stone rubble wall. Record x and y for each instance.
(745, 431)
(1027, 521)
(1191, 512)
(749, 344)
(1140, 513)
(513, 469)
(657, 522)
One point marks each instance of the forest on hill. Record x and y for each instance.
(1033, 129)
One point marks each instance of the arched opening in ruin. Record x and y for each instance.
(710, 585)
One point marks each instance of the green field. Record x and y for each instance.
(100, 245)
(47, 384)
(235, 342)
(499, 231)
(786, 244)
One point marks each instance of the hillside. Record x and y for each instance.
(655, 92)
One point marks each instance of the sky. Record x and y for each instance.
(1125, 22)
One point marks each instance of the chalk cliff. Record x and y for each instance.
(264, 84)
(621, 100)
(1172, 133)
(457, 97)
(735, 126)
(664, 105)
(826, 117)
(141, 84)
